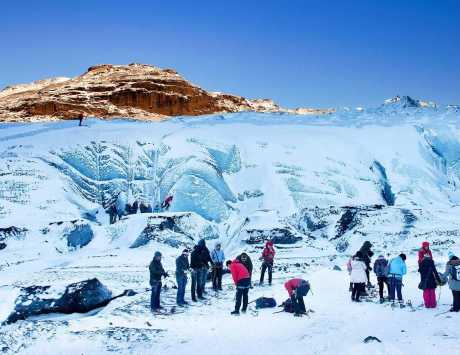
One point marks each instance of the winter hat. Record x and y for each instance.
(157, 254)
(185, 251)
(450, 255)
(403, 256)
(218, 245)
(269, 243)
(425, 244)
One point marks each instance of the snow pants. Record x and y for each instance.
(299, 304)
(155, 296)
(266, 266)
(242, 291)
(358, 290)
(181, 283)
(395, 287)
(382, 281)
(196, 284)
(456, 303)
(429, 297)
(217, 276)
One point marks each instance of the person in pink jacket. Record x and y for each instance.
(242, 280)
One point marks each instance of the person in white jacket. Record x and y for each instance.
(358, 276)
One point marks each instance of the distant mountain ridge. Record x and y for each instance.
(136, 91)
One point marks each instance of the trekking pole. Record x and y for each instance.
(278, 311)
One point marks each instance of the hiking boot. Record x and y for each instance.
(401, 305)
(194, 299)
(201, 298)
(382, 300)
(235, 313)
(243, 311)
(297, 315)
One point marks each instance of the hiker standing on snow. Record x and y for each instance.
(242, 280)
(268, 256)
(367, 255)
(80, 119)
(358, 276)
(381, 271)
(182, 266)
(429, 280)
(156, 273)
(396, 270)
(218, 258)
(424, 250)
(452, 274)
(297, 290)
(199, 263)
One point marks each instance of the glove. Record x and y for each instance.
(166, 274)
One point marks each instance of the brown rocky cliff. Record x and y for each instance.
(134, 90)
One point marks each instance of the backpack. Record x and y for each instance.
(455, 272)
(265, 302)
(380, 268)
(288, 306)
(303, 288)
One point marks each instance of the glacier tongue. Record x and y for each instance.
(321, 185)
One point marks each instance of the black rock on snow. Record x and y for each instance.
(165, 229)
(371, 339)
(80, 297)
(10, 233)
(277, 235)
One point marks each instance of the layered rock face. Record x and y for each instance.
(135, 90)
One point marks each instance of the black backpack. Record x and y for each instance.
(288, 306)
(265, 302)
(455, 272)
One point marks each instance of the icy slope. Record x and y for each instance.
(320, 185)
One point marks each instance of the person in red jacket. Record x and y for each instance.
(297, 290)
(424, 250)
(268, 256)
(242, 280)
(167, 202)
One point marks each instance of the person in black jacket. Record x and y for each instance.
(367, 255)
(429, 280)
(156, 272)
(182, 266)
(199, 262)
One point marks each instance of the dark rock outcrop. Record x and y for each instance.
(277, 235)
(80, 297)
(135, 90)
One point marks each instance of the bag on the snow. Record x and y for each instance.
(455, 272)
(303, 288)
(288, 306)
(265, 302)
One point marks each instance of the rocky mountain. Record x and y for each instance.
(135, 91)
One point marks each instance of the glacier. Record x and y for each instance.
(321, 185)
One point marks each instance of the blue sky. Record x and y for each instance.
(300, 53)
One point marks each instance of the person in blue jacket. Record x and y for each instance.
(218, 258)
(396, 270)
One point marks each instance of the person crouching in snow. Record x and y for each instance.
(156, 273)
(297, 290)
(429, 280)
(242, 281)
(396, 270)
(358, 276)
(380, 270)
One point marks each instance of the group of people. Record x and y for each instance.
(115, 212)
(241, 269)
(391, 272)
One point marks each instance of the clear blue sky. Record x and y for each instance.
(300, 53)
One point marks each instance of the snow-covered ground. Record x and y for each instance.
(390, 175)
